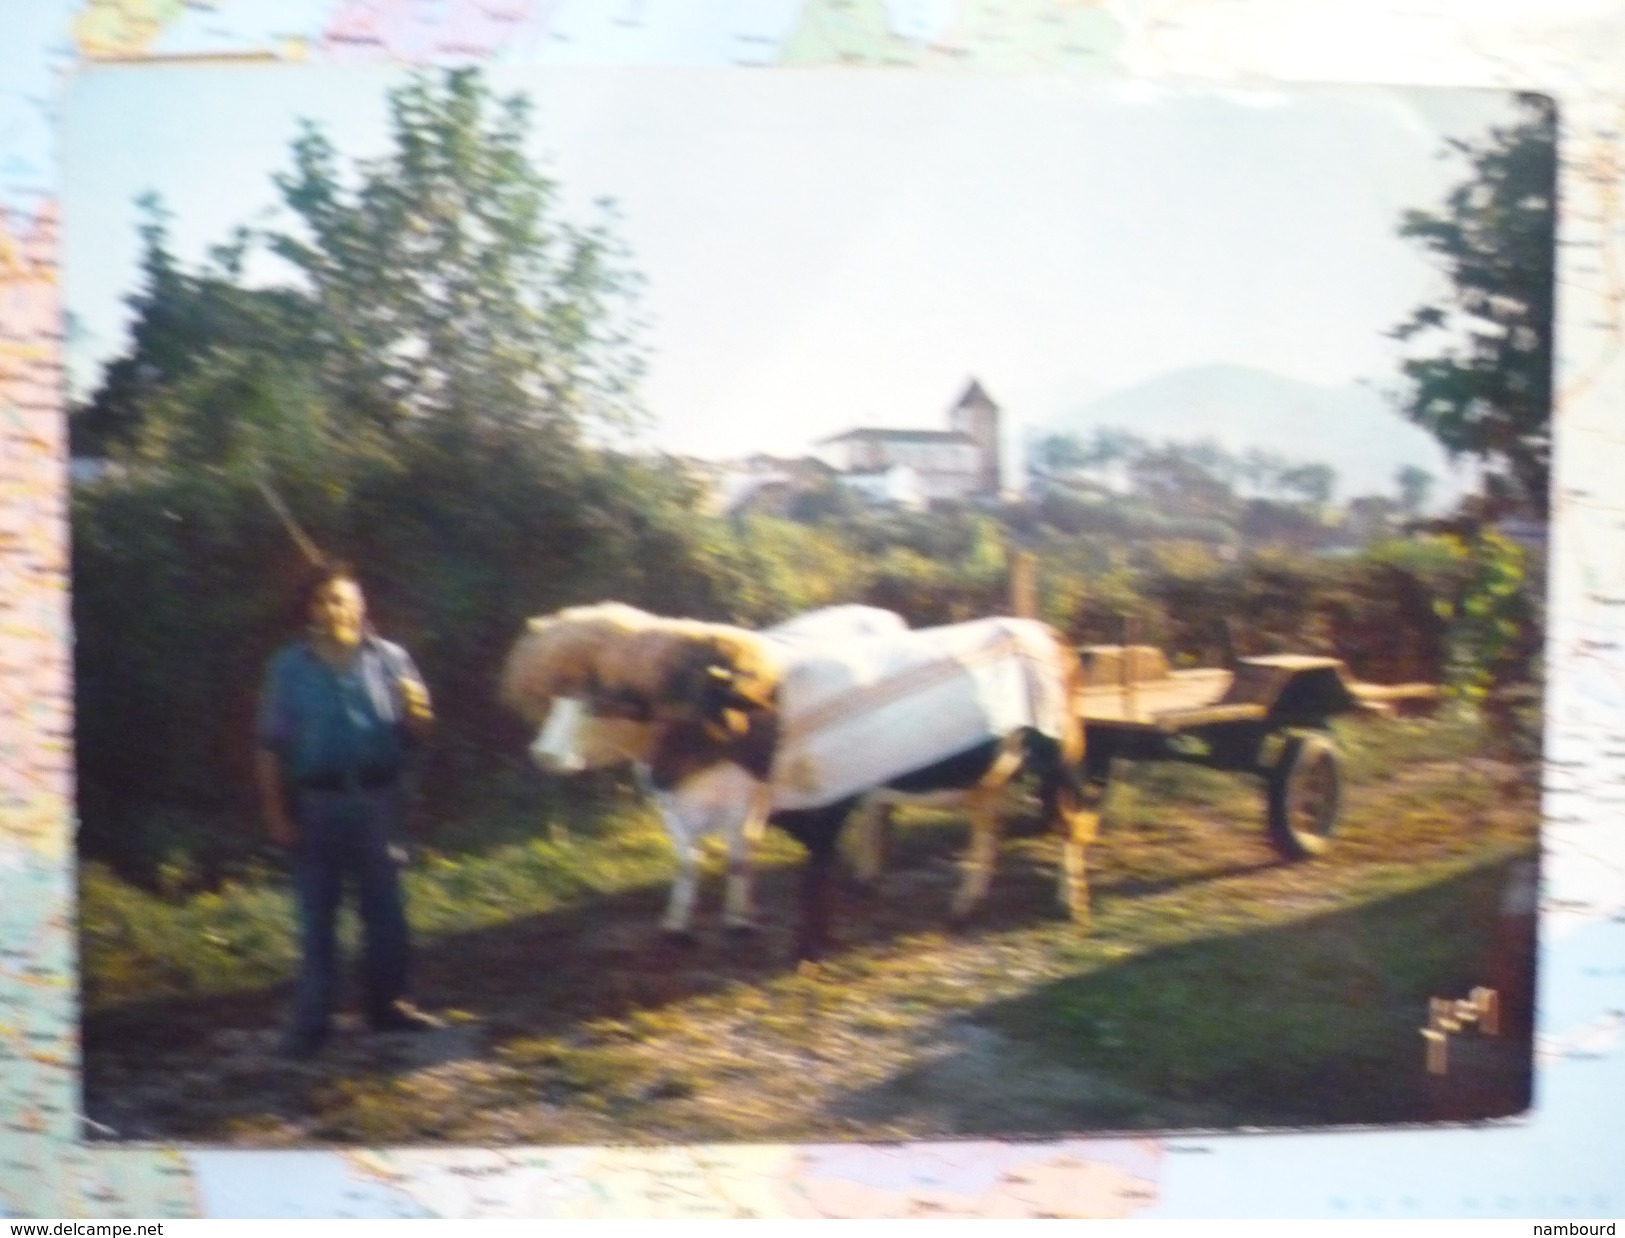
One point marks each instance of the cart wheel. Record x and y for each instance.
(1304, 793)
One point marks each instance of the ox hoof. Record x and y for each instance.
(1061, 909)
(682, 938)
(742, 928)
(865, 891)
(811, 951)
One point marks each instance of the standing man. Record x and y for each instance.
(340, 712)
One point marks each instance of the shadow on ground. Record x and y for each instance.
(1310, 1024)
(195, 1069)
(1313, 1023)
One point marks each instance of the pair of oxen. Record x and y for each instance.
(833, 715)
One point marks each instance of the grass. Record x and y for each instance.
(137, 945)
(1216, 985)
(1302, 1020)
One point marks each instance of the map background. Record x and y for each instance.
(1560, 1162)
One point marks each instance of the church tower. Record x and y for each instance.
(977, 417)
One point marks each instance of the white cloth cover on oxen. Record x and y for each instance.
(845, 622)
(859, 712)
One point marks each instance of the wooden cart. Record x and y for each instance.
(1268, 716)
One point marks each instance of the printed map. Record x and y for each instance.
(1563, 1162)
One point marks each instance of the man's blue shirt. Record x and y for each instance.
(325, 722)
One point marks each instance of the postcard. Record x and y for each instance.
(687, 606)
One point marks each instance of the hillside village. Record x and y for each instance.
(1137, 482)
(905, 468)
(976, 460)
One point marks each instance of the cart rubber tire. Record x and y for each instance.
(1305, 793)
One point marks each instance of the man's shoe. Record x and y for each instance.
(403, 1017)
(301, 1044)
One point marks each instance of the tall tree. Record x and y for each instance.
(1314, 484)
(425, 394)
(1415, 485)
(1481, 373)
(450, 288)
(183, 320)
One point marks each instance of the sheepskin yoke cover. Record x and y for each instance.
(858, 712)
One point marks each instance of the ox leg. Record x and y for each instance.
(983, 853)
(1079, 825)
(869, 828)
(738, 912)
(818, 830)
(679, 916)
(814, 939)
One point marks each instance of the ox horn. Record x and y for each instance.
(725, 716)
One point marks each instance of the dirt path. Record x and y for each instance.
(581, 1027)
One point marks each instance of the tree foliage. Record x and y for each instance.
(182, 321)
(435, 394)
(1116, 483)
(448, 283)
(429, 394)
(1481, 372)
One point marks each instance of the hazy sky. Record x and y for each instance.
(829, 248)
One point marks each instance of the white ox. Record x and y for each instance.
(955, 711)
(573, 738)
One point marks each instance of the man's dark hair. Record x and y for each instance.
(319, 577)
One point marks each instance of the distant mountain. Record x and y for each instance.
(1350, 428)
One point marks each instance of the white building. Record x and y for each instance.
(961, 462)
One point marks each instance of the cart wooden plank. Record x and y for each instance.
(1143, 703)
(1132, 687)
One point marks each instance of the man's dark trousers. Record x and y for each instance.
(345, 840)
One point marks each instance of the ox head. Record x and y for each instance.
(572, 739)
(553, 679)
(629, 677)
(721, 682)
(567, 655)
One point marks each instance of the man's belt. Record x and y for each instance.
(352, 780)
